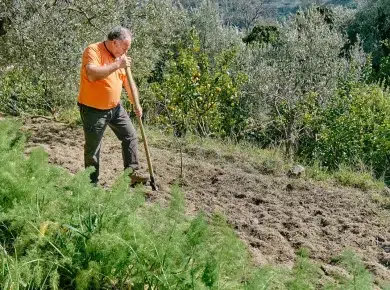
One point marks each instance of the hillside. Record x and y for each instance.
(275, 215)
(284, 7)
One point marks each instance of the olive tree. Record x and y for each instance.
(42, 50)
(42, 44)
(300, 71)
(245, 13)
(371, 25)
(214, 35)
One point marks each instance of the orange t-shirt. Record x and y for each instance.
(105, 93)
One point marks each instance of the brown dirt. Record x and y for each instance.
(273, 214)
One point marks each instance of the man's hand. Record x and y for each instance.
(95, 73)
(138, 111)
(123, 61)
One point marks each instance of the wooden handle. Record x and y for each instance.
(134, 92)
(133, 88)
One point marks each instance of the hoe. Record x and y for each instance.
(134, 92)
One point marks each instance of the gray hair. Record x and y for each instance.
(119, 33)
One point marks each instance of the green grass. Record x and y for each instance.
(265, 161)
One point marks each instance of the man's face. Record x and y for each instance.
(121, 47)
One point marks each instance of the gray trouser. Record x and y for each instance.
(95, 123)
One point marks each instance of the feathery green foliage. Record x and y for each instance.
(359, 278)
(306, 274)
(59, 232)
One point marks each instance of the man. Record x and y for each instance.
(101, 79)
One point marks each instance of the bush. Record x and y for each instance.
(354, 127)
(193, 94)
(23, 91)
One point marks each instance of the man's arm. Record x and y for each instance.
(95, 72)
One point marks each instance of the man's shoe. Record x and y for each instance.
(136, 177)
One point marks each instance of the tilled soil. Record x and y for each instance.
(273, 214)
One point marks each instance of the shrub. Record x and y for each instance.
(354, 126)
(195, 95)
(23, 91)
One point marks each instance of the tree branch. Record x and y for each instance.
(85, 14)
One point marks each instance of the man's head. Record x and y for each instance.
(120, 40)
